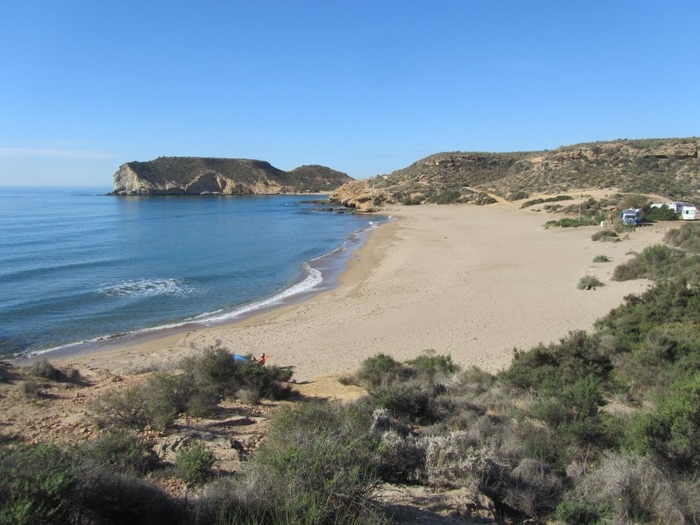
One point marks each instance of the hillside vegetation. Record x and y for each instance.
(667, 167)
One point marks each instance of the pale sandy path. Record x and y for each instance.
(473, 282)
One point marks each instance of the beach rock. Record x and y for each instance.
(361, 195)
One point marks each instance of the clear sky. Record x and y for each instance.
(363, 86)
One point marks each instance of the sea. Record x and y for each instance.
(81, 269)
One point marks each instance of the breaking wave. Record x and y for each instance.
(147, 288)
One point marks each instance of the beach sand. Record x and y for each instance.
(472, 282)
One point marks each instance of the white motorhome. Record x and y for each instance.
(677, 206)
(632, 216)
(689, 213)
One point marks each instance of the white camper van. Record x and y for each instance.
(689, 213)
(677, 206)
(632, 216)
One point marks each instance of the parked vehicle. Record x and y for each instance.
(689, 213)
(632, 216)
(677, 206)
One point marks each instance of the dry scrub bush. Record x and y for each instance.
(121, 452)
(43, 368)
(105, 497)
(402, 458)
(687, 237)
(195, 388)
(637, 491)
(453, 460)
(606, 236)
(533, 488)
(318, 464)
(30, 388)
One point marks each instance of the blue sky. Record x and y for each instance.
(365, 87)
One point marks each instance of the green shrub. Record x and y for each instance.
(110, 498)
(687, 237)
(671, 306)
(671, 432)
(381, 370)
(634, 201)
(581, 513)
(518, 195)
(655, 262)
(574, 411)
(318, 464)
(569, 222)
(35, 485)
(194, 461)
(589, 282)
(120, 451)
(153, 404)
(413, 201)
(406, 401)
(214, 371)
(448, 197)
(551, 367)
(606, 236)
(601, 259)
(430, 364)
(630, 270)
(660, 214)
(532, 202)
(195, 389)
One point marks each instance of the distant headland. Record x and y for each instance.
(219, 176)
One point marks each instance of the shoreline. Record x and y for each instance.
(326, 268)
(471, 282)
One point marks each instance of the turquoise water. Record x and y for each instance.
(78, 266)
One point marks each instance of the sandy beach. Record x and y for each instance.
(472, 282)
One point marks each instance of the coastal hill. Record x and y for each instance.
(213, 176)
(668, 167)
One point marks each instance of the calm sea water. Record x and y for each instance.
(79, 266)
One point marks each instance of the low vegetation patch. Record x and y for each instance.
(194, 461)
(606, 236)
(687, 238)
(194, 388)
(570, 222)
(656, 263)
(601, 259)
(589, 282)
(533, 202)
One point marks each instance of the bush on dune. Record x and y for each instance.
(195, 388)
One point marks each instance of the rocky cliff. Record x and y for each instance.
(668, 167)
(214, 176)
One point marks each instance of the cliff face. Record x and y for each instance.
(668, 167)
(210, 176)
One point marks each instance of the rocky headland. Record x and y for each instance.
(218, 176)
